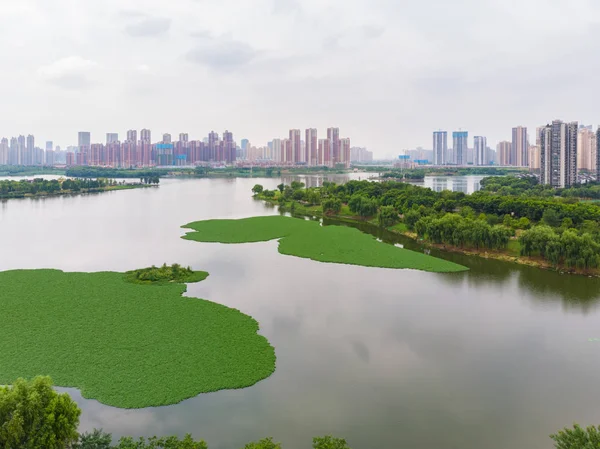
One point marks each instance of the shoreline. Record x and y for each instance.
(73, 192)
(504, 256)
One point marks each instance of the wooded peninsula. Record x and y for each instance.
(511, 218)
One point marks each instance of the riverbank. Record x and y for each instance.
(511, 254)
(68, 192)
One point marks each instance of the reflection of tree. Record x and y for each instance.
(575, 291)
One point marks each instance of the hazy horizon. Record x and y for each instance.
(386, 72)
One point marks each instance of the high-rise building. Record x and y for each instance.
(29, 158)
(4, 151)
(559, 154)
(228, 148)
(146, 136)
(84, 139)
(519, 151)
(324, 153)
(440, 147)
(312, 146)
(480, 151)
(111, 138)
(166, 138)
(585, 149)
(132, 136)
(358, 154)
(184, 137)
(503, 151)
(277, 150)
(333, 136)
(345, 152)
(534, 157)
(297, 156)
(598, 154)
(459, 144)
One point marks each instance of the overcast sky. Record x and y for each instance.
(387, 72)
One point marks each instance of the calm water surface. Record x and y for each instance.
(494, 358)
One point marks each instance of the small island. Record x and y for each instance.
(512, 218)
(38, 187)
(128, 340)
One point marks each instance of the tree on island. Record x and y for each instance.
(257, 189)
(34, 416)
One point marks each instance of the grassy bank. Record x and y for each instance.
(123, 343)
(307, 239)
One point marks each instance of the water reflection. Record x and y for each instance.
(493, 358)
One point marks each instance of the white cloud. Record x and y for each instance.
(69, 72)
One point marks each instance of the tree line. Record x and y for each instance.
(37, 186)
(559, 229)
(34, 416)
(101, 172)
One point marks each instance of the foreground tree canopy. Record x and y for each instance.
(307, 239)
(123, 341)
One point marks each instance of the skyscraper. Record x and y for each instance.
(585, 138)
(480, 151)
(111, 138)
(4, 151)
(460, 147)
(345, 152)
(132, 136)
(166, 138)
(277, 150)
(519, 151)
(146, 136)
(297, 155)
(83, 139)
(184, 137)
(312, 146)
(440, 147)
(333, 136)
(559, 154)
(598, 154)
(228, 147)
(29, 157)
(503, 151)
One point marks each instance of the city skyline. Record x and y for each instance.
(103, 68)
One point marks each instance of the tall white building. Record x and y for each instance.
(311, 146)
(480, 151)
(277, 150)
(558, 148)
(460, 147)
(440, 147)
(585, 148)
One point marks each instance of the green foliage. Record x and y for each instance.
(33, 415)
(453, 229)
(388, 216)
(19, 189)
(332, 206)
(165, 274)
(307, 239)
(329, 442)
(362, 205)
(160, 443)
(577, 438)
(97, 439)
(99, 172)
(267, 443)
(551, 218)
(125, 344)
(257, 189)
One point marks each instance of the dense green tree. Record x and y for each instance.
(332, 206)
(97, 439)
(34, 416)
(280, 187)
(329, 442)
(266, 443)
(387, 216)
(161, 443)
(297, 185)
(257, 189)
(577, 438)
(362, 205)
(551, 218)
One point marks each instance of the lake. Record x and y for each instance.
(494, 358)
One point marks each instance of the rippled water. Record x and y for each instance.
(494, 358)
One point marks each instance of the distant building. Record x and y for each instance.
(297, 156)
(503, 152)
(166, 138)
(585, 149)
(559, 154)
(519, 151)
(311, 146)
(84, 139)
(333, 136)
(480, 151)
(440, 147)
(598, 154)
(132, 136)
(534, 157)
(146, 136)
(460, 139)
(111, 138)
(358, 154)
